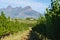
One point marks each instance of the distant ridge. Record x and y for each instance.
(19, 12)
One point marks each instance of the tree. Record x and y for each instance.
(51, 26)
(28, 18)
(53, 20)
(3, 15)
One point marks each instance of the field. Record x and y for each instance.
(46, 27)
(15, 26)
(28, 22)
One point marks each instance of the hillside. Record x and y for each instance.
(19, 12)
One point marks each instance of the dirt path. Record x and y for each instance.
(25, 36)
(18, 36)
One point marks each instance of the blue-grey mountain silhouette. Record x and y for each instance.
(19, 12)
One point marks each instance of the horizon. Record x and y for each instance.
(37, 5)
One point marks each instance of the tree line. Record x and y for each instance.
(49, 24)
(10, 26)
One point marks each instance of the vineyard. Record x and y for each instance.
(46, 27)
(10, 26)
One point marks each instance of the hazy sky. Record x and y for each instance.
(38, 5)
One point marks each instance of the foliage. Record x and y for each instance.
(53, 20)
(10, 26)
(28, 18)
(50, 27)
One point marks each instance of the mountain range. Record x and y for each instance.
(19, 12)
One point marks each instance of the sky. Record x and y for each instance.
(37, 5)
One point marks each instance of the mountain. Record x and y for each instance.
(19, 12)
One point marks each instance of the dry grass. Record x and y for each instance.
(27, 21)
(18, 36)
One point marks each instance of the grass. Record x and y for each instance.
(15, 27)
